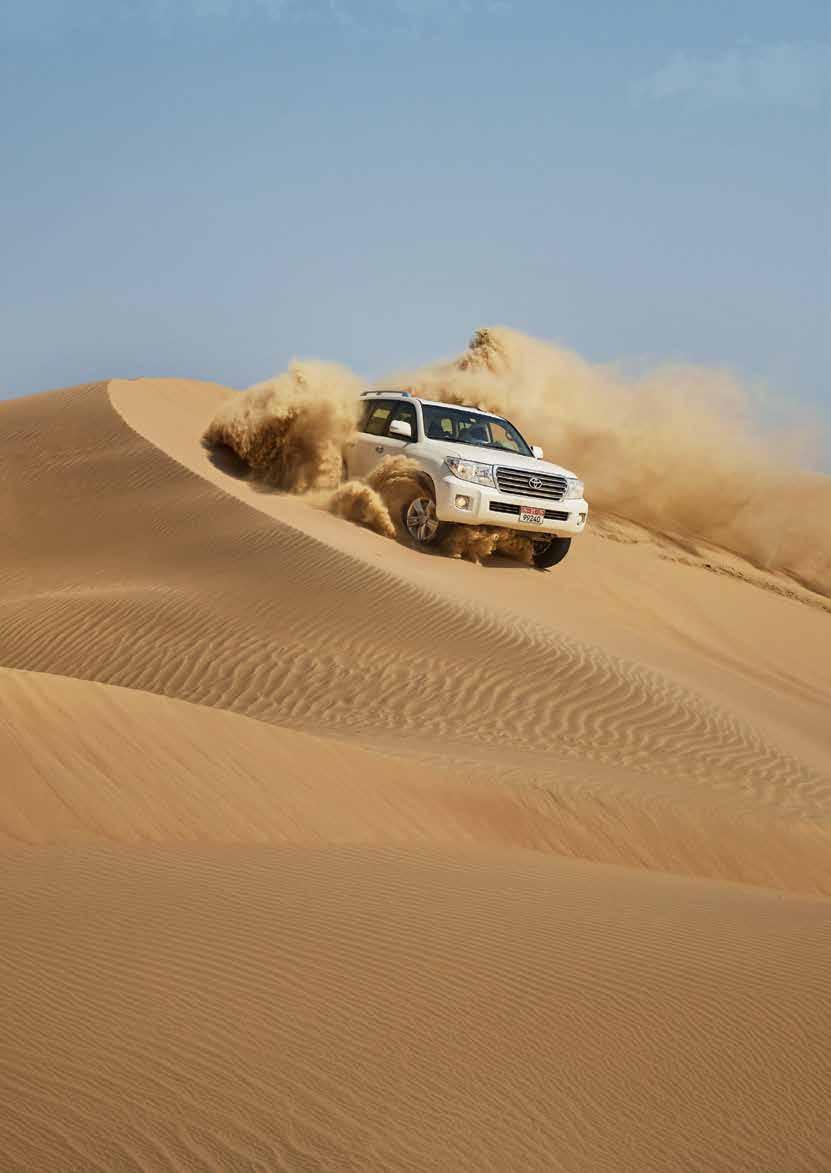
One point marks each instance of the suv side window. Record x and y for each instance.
(363, 414)
(406, 411)
(439, 424)
(379, 417)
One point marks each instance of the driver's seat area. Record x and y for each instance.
(476, 434)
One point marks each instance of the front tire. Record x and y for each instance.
(419, 519)
(549, 553)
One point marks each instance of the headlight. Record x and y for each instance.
(574, 491)
(471, 470)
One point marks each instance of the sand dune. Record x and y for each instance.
(624, 594)
(286, 816)
(90, 761)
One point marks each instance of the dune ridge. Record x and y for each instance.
(93, 761)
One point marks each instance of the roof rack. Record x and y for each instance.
(372, 391)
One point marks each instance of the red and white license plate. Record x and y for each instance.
(530, 515)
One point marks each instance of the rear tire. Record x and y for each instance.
(550, 553)
(418, 517)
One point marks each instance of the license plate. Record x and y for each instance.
(529, 515)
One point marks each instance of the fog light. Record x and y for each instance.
(462, 502)
(582, 517)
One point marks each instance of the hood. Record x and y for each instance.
(506, 459)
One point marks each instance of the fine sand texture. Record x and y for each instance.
(322, 853)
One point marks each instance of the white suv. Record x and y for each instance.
(476, 469)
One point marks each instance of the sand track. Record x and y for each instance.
(284, 819)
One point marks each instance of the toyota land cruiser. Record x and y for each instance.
(476, 469)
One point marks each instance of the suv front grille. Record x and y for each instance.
(508, 507)
(516, 482)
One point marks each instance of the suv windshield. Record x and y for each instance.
(457, 426)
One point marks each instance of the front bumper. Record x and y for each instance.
(491, 507)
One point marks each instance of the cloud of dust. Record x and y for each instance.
(378, 504)
(675, 450)
(355, 501)
(379, 499)
(475, 542)
(290, 430)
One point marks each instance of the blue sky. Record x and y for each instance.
(210, 187)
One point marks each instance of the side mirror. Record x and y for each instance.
(401, 428)
(537, 452)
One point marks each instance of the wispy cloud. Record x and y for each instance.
(776, 75)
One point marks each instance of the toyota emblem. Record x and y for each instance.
(534, 483)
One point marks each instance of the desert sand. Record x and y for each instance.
(322, 853)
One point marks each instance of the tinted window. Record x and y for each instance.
(378, 418)
(438, 423)
(363, 415)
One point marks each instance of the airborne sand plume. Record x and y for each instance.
(676, 450)
(371, 502)
(380, 499)
(289, 429)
